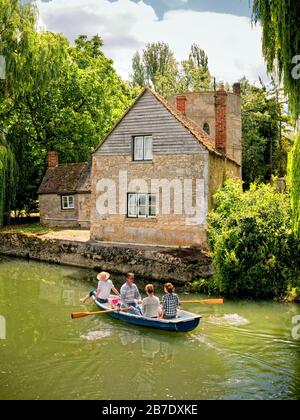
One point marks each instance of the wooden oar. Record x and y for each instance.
(206, 301)
(82, 314)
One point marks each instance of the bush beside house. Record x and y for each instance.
(255, 252)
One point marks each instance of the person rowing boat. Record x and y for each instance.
(105, 286)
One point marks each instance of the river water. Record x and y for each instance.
(241, 350)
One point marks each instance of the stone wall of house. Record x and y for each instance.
(51, 213)
(164, 229)
(200, 107)
(219, 170)
(161, 264)
(84, 210)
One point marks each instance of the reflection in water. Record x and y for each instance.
(2, 328)
(155, 354)
(240, 350)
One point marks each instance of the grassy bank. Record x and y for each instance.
(30, 229)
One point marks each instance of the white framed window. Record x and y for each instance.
(142, 148)
(132, 205)
(141, 205)
(67, 202)
(152, 205)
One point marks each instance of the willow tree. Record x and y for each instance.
(280, 20)
(16, 28)
(294, 184)
(33, 60)
(8, 180)
(17, 23)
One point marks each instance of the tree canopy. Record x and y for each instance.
(254, 251)
(55, 96)
(294, 184)
(157, 67)
(265, 133)
(280, 20)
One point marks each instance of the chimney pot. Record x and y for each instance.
(53, 159)
(181, 103)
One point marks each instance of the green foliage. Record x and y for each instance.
(156, 67)
(206, 286)
(294, 184)
(195, 75)
(8, 176)
(265, 133)
(32, 58)
(139, 75)
(254, 251)
(56, 96)
(31, 229)
(281, 42)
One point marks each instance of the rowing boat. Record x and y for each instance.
(184, 322)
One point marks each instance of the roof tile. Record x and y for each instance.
(67, 178)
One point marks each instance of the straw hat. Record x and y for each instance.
(103, 276)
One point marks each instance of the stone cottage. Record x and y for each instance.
(65, 194)
(153, 177)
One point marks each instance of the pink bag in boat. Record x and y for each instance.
(114, 301)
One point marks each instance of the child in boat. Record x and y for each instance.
(105, 286)
(170, 302)
(151, 305)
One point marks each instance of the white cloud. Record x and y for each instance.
(233, 46)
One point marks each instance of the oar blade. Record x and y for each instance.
(75, 315)
(206, 301)
(213, 301)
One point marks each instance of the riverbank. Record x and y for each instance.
(180, 265)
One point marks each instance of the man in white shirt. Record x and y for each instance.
(130, 295)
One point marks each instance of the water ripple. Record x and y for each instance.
(95, 335)
(228, 319)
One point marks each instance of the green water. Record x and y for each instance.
(240, 350)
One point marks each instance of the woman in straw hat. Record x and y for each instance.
(105, 286)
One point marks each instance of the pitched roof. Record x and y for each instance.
(85, 182)
(190, 125)
(67, 178)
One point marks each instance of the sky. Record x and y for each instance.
(221, 27)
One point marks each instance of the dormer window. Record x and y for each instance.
(142, 148)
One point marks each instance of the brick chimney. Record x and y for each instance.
(53, 159)
(181, 103)
(221, 119)
(236, 88)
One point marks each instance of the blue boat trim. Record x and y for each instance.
(184, 322)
